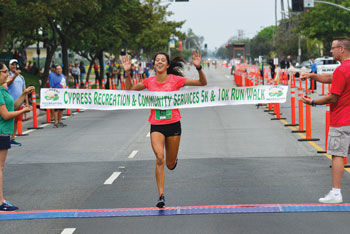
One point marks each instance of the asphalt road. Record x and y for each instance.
(228, 155)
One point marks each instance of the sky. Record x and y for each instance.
(219, 20)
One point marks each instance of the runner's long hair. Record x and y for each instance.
(2, 65)
(176, 64)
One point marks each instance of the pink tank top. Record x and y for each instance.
(173, 83)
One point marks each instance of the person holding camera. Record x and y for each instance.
(16, 85)
(8, 111)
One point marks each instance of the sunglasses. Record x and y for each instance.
(334, 47)
(6, 71)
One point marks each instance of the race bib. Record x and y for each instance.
(163, 114)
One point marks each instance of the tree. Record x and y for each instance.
(325, 22)
(23, 31)
(108, 33)
(261, 44)
(193, 41)
(156, 30)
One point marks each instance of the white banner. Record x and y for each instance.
(186, 98)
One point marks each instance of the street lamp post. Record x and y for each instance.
(311, 4)
(333, 4)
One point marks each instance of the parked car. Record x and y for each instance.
(303, 67)
(326, 65)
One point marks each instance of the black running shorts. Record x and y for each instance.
(168, 130)
(5, 142)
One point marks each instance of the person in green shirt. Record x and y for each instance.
(7, 114)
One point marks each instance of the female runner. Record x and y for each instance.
(165, 124)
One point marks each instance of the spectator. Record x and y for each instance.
(29, 66)
(313, 70)
(97, 76)
(50, 77)
(272, 67)
(34, 69)
(16, 85)
(82, 72)
(119, 74)
(233, 68)
(289, 62)
(339, 100)
(8, 111)
(283, 63)
(20, 61)
(146, 72)
(70, 75)
(58, 81)
(76, 73)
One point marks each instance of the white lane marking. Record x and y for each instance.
(74, 113)
(65, 117)
(228, 77)
(68, 231)
(148, 134)
(112, 178)
(121, 167)
(44, 125)
(29, 131)
(133, 154)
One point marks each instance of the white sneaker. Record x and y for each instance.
(331, 198)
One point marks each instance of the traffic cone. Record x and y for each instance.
(308, 126)
(301, 113)
(20, 128)
(292, 102)
(35, 117)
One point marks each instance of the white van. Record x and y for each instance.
(326, 65)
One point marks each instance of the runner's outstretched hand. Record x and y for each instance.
(126, 61)
(196, 58)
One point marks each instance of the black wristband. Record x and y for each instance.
(199, 68)
(313, 103)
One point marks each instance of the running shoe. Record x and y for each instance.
(62, 124)
(331, 198)
(56, 125)
(7, 206)
(161, 201)
(174, 166)
(14, 142)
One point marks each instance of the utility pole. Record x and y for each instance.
(299, 49)
(275, 32)
(283, 13)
